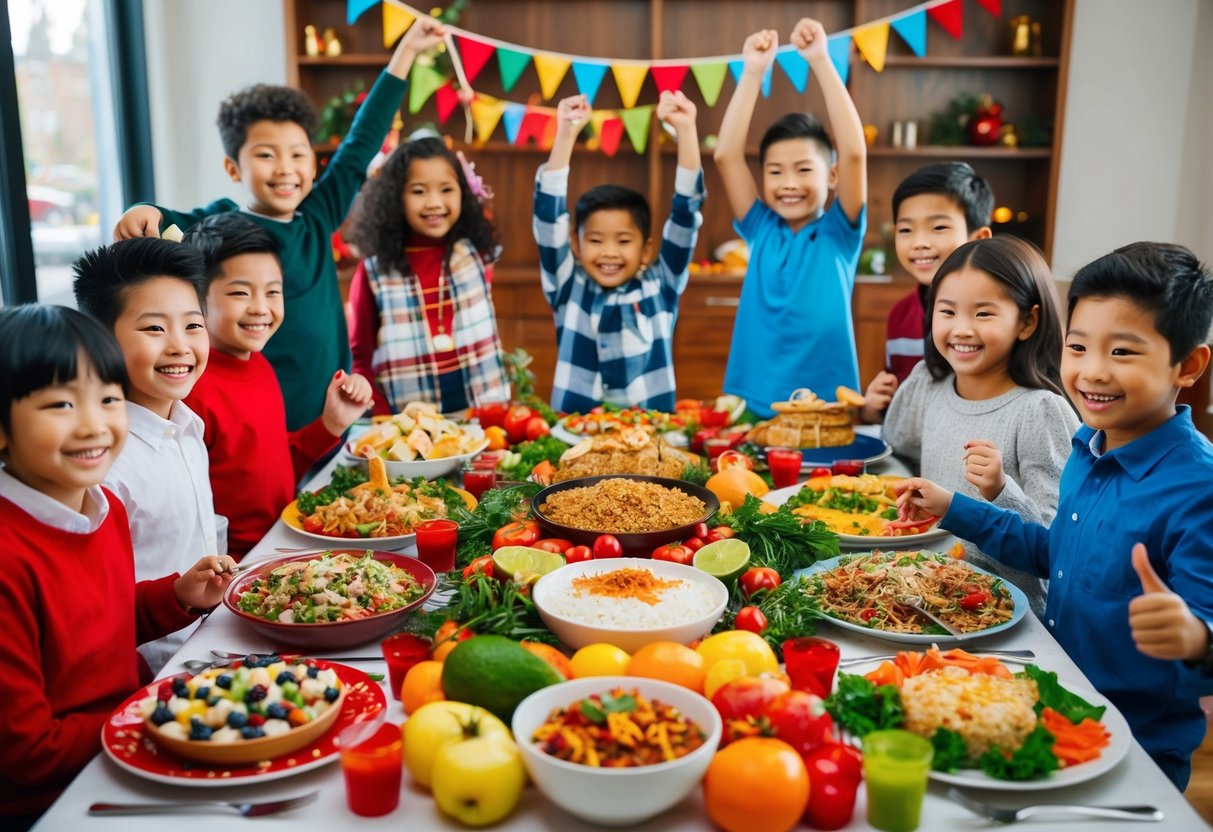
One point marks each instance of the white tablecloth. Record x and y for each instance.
(1136, 780)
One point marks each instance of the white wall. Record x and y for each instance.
(197, 54)
(1135, 161)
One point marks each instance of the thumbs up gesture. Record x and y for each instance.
(1163, 626)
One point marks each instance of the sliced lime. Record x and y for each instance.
(726, 559)
(521, 562)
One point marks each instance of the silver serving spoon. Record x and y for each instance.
(915, 602)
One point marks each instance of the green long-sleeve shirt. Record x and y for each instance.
(312, 342)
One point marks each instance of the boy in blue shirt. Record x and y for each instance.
(793, 326)
(1127, 557)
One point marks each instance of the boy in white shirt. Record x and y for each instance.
(151, 293)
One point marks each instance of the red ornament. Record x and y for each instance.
(985, 125)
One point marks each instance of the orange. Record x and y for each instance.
(446, 638)
(550, 655)
(734, 482)
(422, 685)
(757, 784)
(669, 661)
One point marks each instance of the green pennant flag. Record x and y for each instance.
(636, 122)
(710, 78)
(424, 81)
(512, 64)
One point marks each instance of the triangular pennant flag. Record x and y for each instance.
(710, 78)
(396, 22)
(913, 30)
(994, 7)
(738, 66)
(474, 55)
(872, 42)
(636, 122)
(424, 81)
(610, 135)
(839, 48)
(589, 79)
(596, 119)
(355, 8)
(486, 112)
(512, 64)
(446, 99)
(795, 67)
(629, 78)
(532, 127)
(551, 70)
(669, 77)
(950, 16)
(547, 136)
(512, 120)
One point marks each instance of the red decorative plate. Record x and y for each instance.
(123, 740)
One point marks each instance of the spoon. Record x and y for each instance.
(915, 602)
(199, 665)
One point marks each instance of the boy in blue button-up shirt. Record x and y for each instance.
(1128, 556)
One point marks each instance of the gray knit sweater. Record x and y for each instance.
(928, 424)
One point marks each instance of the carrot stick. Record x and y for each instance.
(1075, 744)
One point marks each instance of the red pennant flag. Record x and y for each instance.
(447, 100)
(669, 77)
(994, 7)
(547, 136)
(950, 16)
(610, 136)
(474, 55)
(532, 127)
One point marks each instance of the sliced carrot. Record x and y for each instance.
(1074, 744)
(887, 674)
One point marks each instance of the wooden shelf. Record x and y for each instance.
(353, 59)
(964, 151)
(969, 62)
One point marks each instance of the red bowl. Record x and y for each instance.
(331, 635)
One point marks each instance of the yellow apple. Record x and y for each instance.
(478, 781)
(434, 724)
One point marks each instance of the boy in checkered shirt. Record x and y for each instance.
(615, 307)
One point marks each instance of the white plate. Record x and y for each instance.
(674, 438)
(851, 541)
(923, 639)
(430, 469)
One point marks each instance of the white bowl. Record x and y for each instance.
(615, 796)
(577, 633)
(431, 469)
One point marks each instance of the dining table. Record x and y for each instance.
(1135, 780)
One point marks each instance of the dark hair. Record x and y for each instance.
(1021, 269)
(956, 181)
(613, 198)
(380, 229)
(262, 102)
(41, 346)
(221, 237)
(1165, 279)
(797, 126)
(104, 274)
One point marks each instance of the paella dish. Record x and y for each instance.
(631, 451)
(806, 421)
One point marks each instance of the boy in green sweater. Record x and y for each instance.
(266, 132)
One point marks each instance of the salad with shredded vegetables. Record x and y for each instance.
(329, 588)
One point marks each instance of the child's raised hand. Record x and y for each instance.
(138, 221)
(347, 398)
(920, 499)
(1163, 626)
(676, 110)
(202, 585)
(423, 35)
(759, 50)
(877, 397)
(809, 36)
(573, 113)
(983, 468)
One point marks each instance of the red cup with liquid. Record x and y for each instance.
(436, 541)
(785, 466)
(401, 652)
(848, 467)
(476, 481)
(373, 764)
(811, 664)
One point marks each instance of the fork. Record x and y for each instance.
(1140, 813)
(228, 654)
(248, 810)
(915, 603)
(1005, 655)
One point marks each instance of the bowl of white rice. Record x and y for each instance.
(629, 602)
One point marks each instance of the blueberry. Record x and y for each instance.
(276, 711)
(252, 660)
(312, 671)
(161, 715)
(199, 730)
(237, 719)
(255, 694)
(331, 694)
(252, 732)
(285, 676)
(224, 681)
(202, 691)
(181, 689)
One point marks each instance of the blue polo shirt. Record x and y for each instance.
(1155, 490)
(793, 327)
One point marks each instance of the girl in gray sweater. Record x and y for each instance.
(984, 413)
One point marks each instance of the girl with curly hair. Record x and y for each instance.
(423, 326)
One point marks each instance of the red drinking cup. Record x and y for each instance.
(810, 664)
(785, 466)
(436, 544)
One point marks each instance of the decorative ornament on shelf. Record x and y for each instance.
(1008, 137)
(332, 46)
(951, 126)
(311, 41)
(1024, 37)
(870, 134)
(985, 125)
(338, 114)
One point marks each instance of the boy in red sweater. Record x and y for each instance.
(255, 462)
(72, 612)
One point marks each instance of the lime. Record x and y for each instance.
(726, 559)
(521, 562)
(494, 673)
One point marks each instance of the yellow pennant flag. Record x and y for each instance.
(597, 117)
(872, 42)
(486, 113)
(629, 78)
(396, 22)
(551, 70)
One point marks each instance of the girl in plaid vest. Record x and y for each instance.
(423, 326)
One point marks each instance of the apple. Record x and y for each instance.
(478, 781)
(435, 724)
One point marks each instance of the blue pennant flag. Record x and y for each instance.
(512, 119)
(355, 8)
(913, 30)
(736, 67)
(840, 55)
(588, 77)
(795, 67)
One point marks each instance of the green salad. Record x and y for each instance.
(329, 588)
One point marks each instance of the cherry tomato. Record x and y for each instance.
(515, 422)
(800, 719)
(555, 545)
(820, 472)
(745, 697)
(750, 618)
(576, 554)
(535, 427)
(975, 600)
(607, 546)
(695, 543)
(313, 524)
(834, 774)
(701, 436)
(868, 614)
(759, 577)
(520, 533)
(492, 414)
(713, 536)
(482, 564)
(675, 552)
(700, 530)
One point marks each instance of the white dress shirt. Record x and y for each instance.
(48, 510)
